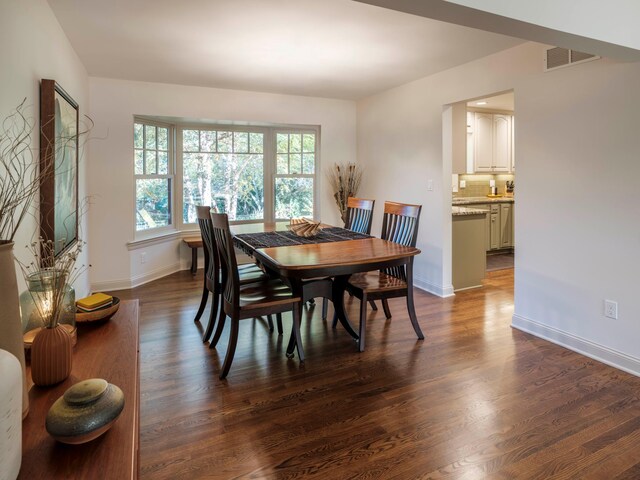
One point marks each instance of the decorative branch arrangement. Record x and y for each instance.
(345, 180)
(54, 273)
(19, 179)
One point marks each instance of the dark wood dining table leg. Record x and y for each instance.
(338, 289)
(410, 307)
(296, 339)
(194, 260)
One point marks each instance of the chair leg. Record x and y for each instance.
(296, 339)
(203, 304)
(385, 307)
(412, 314)
(231, 349)
(325, 307)
(270, 322)
(212, 318)
(373, 305)
(334, 322)
(279, 322)
(363, 323)
(222, 317)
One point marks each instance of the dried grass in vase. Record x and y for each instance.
(54, 274)
(345, 180)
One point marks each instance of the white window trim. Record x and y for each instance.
(269, 172)
(316, 166)
(158, 232)
(177, 229)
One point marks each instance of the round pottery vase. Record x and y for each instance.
(85, 411)
(10, 321)
(51, 356)
(10, 415)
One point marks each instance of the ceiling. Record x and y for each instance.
(325, 48)
(504, 101)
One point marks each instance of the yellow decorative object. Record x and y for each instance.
(100, 314)
(94, 301)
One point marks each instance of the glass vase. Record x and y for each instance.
(40, 286)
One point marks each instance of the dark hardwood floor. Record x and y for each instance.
(474, 400)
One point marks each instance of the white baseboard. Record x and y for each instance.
(154, 274)
(113, 285)
(125, 284)
(580, 345)
(437, 290)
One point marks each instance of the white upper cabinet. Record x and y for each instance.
(501, 143)
(492, 142)
(483, 137)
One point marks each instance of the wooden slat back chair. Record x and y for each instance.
(240, 301)
(359, 215)
(359, 219)
(212, 276)
(399, 225)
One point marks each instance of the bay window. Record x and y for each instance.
(252, 173)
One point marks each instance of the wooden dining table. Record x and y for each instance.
(323, 269)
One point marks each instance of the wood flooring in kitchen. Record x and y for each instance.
(475, 400)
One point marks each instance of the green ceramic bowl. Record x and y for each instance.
(85, 411)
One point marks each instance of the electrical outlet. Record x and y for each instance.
(463, 184)
(611, 309)
(430, 185)
(143, 257)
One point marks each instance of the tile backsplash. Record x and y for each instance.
(477, 185)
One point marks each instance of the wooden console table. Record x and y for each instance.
(108, 350)
(194, 243)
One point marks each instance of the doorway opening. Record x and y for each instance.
(482, 150)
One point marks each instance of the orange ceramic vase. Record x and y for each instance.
(51, 356)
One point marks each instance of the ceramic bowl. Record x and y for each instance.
(85, 411)
(100, 315)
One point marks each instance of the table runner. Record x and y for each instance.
(252, 241)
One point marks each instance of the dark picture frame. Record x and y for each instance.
(59, 119)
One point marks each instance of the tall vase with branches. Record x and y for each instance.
(21, 173)
(49, 278)
(19, 184)
(345, 180)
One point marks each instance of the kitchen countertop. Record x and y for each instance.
(458, 211)
(479, 200)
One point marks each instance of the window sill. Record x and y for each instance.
(160, 238)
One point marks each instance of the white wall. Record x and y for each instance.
(115, 102)
(577, 229)
(35, 47)
(400, 145)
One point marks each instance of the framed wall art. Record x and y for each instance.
(58, 166)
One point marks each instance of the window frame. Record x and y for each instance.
(314, 175)
(269, 167)
(170, 176)
(175, 170)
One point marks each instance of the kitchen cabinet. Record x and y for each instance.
(469, 254)
(495, 227)
(498, 225)
(492, 142)
(506, 228)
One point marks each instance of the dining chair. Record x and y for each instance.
(359, 215)
(240, 301)
(359, 219)
(399, 225)
(248, 273)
